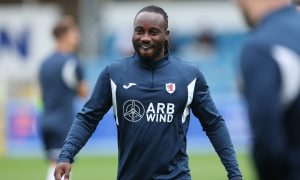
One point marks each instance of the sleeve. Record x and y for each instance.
(213, 124)
(87, 120)
(72, 73)
(261, 78)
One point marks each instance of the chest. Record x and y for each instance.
(152, 85)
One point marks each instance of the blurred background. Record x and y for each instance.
(208, 33)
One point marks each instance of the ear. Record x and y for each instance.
(167, 32)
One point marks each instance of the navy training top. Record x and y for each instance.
(59, 75)
(151, 102)
(270, 65)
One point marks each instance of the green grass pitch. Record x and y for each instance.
(203, 167)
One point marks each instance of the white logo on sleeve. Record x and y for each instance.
(129, 85)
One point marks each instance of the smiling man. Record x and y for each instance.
(150, 46)
(151, 93)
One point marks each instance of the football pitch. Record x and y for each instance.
(203, 167)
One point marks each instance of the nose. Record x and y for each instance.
(146, 38)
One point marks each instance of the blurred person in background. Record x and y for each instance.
(297, 2)
(202, 48)
(61, 79)
(206, 43)
(151, 93)
(270, 67)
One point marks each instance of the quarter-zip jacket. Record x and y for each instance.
(151, 102)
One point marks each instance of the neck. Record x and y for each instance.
(64, 47)
(161, 56)
(267, 7)
(151, 63)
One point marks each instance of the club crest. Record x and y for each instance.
(170, 87)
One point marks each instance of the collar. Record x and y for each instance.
(278, 12)
(60, 53)
(151, 64)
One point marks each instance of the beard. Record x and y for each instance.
(155, 51)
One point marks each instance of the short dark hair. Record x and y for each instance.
(63, 26)
(155, 9)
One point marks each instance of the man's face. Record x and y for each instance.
(245, 8)
(71, 37)
(149, 35)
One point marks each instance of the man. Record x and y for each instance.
(151, 93)
(270, 65)
(61, 78)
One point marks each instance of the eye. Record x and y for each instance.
(138, 31)
(154, 32)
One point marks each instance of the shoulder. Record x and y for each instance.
(187, 69)
(254, 53)
(182, 64)
(48, 58)
(118, 66)
(121, 63)
(253, 43)
(278, 26)
(48, 62)
(259, 43)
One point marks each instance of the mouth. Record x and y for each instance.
(145, 47)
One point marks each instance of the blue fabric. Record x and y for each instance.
(58, 113)
(151, 131)
(276, 147)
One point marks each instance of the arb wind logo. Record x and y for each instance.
(133, 110)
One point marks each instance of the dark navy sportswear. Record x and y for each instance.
(58, 77)
(151, 102)
(270, 65)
